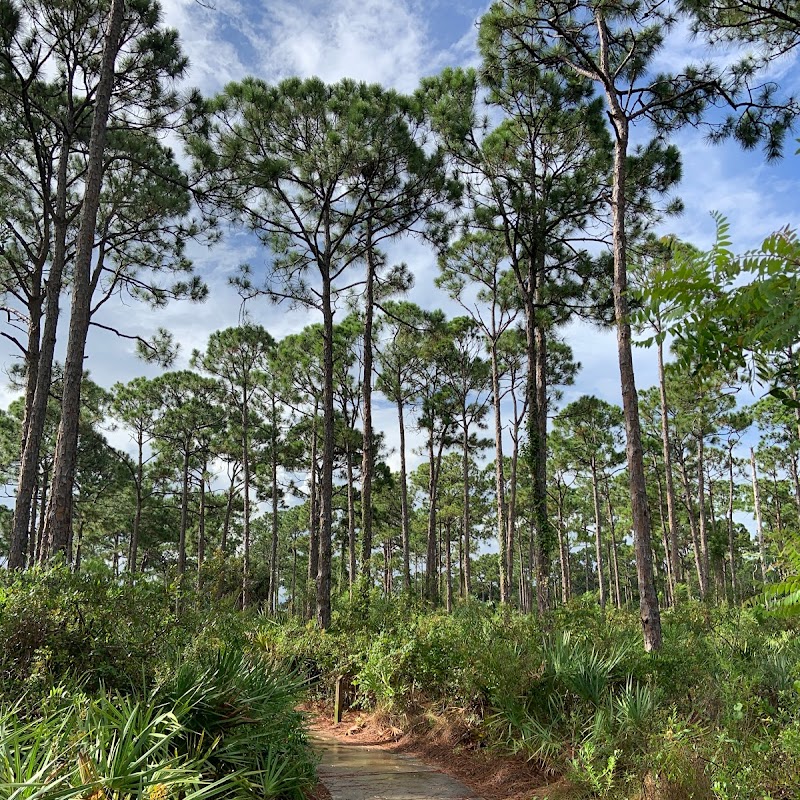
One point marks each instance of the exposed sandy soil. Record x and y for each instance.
(447, 746)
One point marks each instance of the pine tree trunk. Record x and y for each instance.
(367, 456)
(563, 553)
(328, 445)
(762, 548)
(649, 611)
(598, 543)
(351, 523)
(133, 552)
(500, 488)
(226, 525)
(731, 536)
(687, 493)
(59, 514)
(246, 499)
(672, 513)
(701, 509)
(448, 568)
(466, 521)
(670, 588)
(612, 526)
(512, 498)
(184, 515)
(404, 516)
(201, 527)
(430, 564)
(273, 559)
(313, 523)
(39, 377)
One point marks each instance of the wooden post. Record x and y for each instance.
(338, 701)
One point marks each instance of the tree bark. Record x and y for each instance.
(598, 543)
(466, 521)
(184, 515)
(133, 552)
(351, 521)
(649, 611)
(246, 499)
(367, 461)
(404, 516)
(731, 536)
(201, 527)
(328, 443)
(698, 560)
(39, 378)
(59, 514)
(313, 522)
(612, 526)
(273, 559)
(672, 514)
(701, 509)
(502, 536)
(762, 547)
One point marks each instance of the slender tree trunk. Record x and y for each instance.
(41, 544)
(731, 535)
(201, 527)
(433, 484)
(59, 514)
(448, 567)
(226, 526)
(31, 542)
(351, 523)
(762, 548)
(512, 497)
(246, 499)
(404, 516)
(137, 515)
(79, 551)
(701, 508)
(184, 514)
(500, 483)
(39, 377)
(649, 611)
(563, 552)
(366, 383)
(273, 559)
(313, 522)
(598, 543)
(328, 444)
(693, 528)
(719, 573)
(466, 521)
(672, 514)
(612, 526)
(544, 531)
(670, 587)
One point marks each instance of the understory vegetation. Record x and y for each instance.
(106, 693)
(714, 714)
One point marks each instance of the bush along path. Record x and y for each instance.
(356, 772)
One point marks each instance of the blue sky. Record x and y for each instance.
(396, 42)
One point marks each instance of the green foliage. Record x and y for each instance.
(58, 626)
(738, 312)
(114, 696)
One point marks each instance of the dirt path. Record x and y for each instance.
(444, 752)
(358, 772)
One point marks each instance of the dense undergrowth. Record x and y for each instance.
(107, 694)
(715, 714)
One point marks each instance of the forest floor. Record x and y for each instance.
(439, 744)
